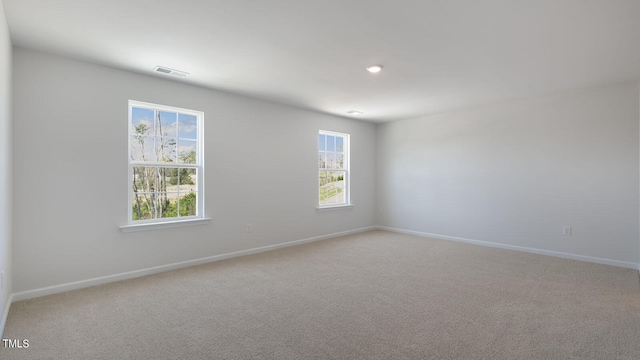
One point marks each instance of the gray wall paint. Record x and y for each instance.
(515, 173)
(5, 164)
(70, 180)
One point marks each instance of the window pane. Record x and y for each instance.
(339, 144)
(142, 206)
(338, 182)
(187, 126)
(332, 188)
(330, 195)
(331, 160)
(166, 150)
(331, 143)
(322, 178)
(188, 204)
(322, 146)
(327, 193)
(141, 121)
(187, 152)
(166, 126)
(144, 179)
(322, 181)
(337, 193)
(188, 180)
(164, 178)
(167, 205)
(340, 161)
(143, 148)
(322, 160)
(168, 179)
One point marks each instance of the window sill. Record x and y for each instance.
(336, 207)
(164, 225)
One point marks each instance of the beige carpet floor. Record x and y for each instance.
(375, 295)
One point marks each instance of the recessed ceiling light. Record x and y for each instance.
(374, 68)
(172, 72)
(354, 112)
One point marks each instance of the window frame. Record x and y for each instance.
(135, 225)
(346, 169)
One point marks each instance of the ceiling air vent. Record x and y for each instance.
(172, 72)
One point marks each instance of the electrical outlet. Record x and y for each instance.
(1, 280)
(566, 230)
(249, 228)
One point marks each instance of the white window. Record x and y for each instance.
(333, 169)
(166, 168)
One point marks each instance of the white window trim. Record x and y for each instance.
(335, 207)
(164, 224)
(347, 173)
(152, 224)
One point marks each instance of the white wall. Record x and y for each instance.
(516, 173)
(511, 173)
(70, 179)
(5, 166)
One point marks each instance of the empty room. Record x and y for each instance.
(211, 179)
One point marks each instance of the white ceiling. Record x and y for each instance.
(438, 55)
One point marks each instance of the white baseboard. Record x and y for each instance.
(5, 315)
(29, 294)
(623, 264)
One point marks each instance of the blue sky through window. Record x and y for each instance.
(187, 126)
(183, 125)
(142, 116)
(176, 133)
